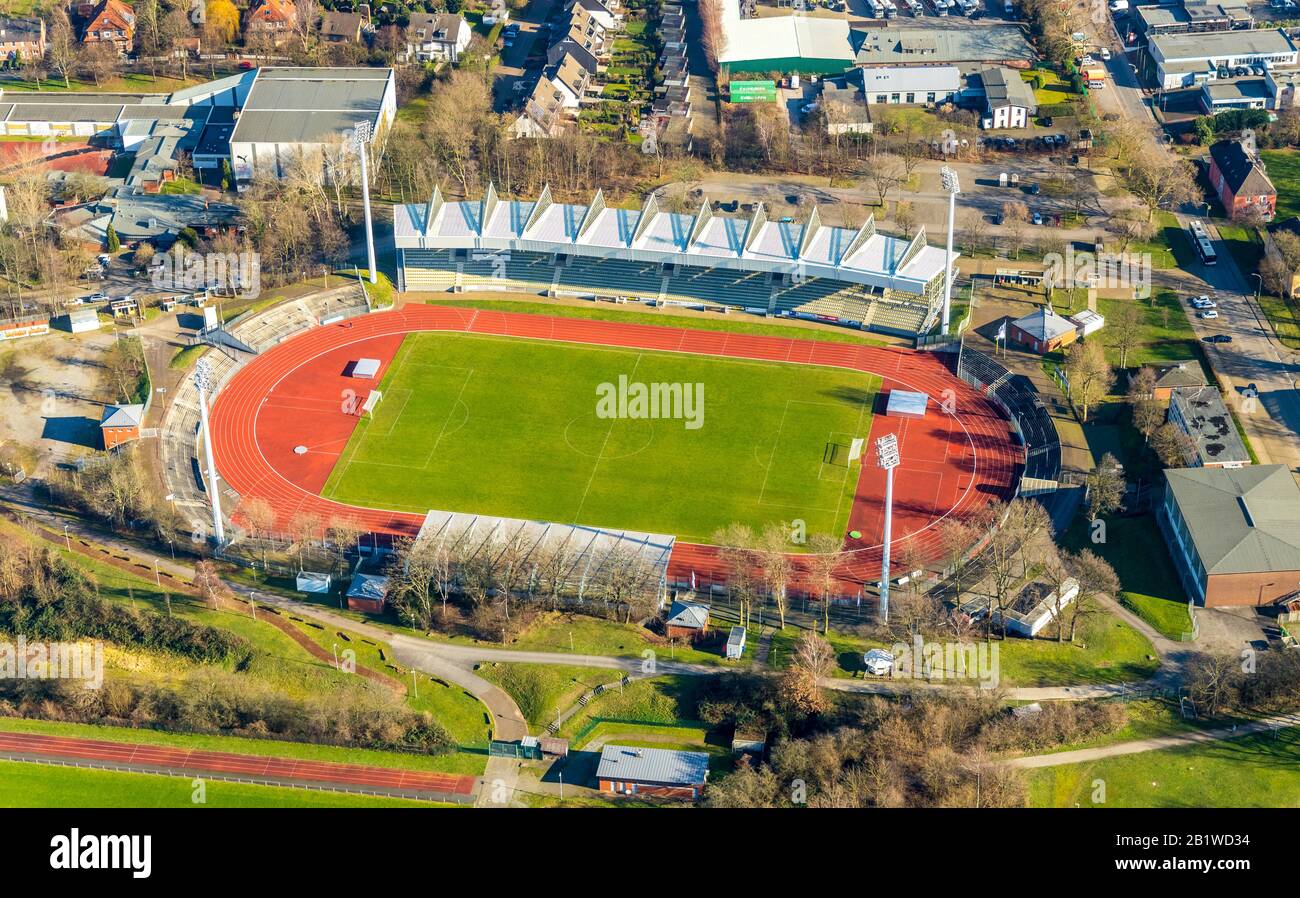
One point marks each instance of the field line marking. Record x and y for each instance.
(442, 430)
(775, 448)
(596, 465)
(840, 502)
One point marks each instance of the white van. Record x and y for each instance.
(1118, 5)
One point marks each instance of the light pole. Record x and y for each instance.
(887, 457)
(360, 137)
(203, 380)
(952, 187)
(1259, 284)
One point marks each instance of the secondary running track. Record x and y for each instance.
(139, 758)
(296, 395)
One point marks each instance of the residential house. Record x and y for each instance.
(1234, 533)
(1008, 99)
(844, 107)
(608, 14)
(1239, 179)
(342, 27)
(436, 37)
(21, 40)
(109, 22)
(273, 20)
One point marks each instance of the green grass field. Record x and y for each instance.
(1250, 772)
(40, 786)
(511, 427)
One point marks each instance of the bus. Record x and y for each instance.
(1202, 243)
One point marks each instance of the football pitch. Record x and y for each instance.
(517, 428)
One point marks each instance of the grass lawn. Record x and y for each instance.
(1284, 170)
(734, 323)
(1253, 771)
(1135, 548)
(180, 186)
(1164, 333)
(524, 415)
(667, 701)
(556, 632)
(42, 786)
(1106, 650)
(1284, 315)
(186, 356)
(1168, 246)
(542, 690)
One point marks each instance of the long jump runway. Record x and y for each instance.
(294, 396)
(137, 758)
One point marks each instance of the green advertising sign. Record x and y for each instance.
(753, 91)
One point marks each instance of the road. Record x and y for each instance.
(514, 59)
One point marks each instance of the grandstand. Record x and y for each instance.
(1018, 397)
(854, 277)
(256, 332)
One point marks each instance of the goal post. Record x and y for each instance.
(855, 449)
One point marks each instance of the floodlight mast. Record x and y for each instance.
(952, 187)
(361, 134)
(203, 379)
(887, 458)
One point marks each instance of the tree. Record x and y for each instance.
(905, 217)
(110, 240)
(61, 47)
(411, 584)
(773, 545)
(823, 561)
(261, 521)
(304, 527)
(1146, 411)
(735, 549)
(1096, 579)
(222, 20)
(886, 174)
(974, 230)
(813, 660)
(1125, 329)
(1015, 216)
(1172, 446)
(1090, 375)
(1105, 487)
(956, 537)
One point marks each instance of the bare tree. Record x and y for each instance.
(1091, 376)
(1105, 487)
(823, 561)
(261, 521)
(1125, 329)
(773, 546)
(1096, 579)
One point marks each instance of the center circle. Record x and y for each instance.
(608, 439)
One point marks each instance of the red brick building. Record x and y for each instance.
(1239, 179)
(120, 424)
(659, 772)
(1042, 331)
(687, 620)
(1233, 533)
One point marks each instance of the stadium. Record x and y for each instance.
(468, 418)
(859, 278)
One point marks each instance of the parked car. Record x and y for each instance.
(1104, 53)
(1033, 189)
(1217, 338)
(1037, 218)
(1209, 313)
(93, 299)
(1047, 122)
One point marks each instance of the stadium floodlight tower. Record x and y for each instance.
(361, 134)
(887, 457)
(952, 187)
(203, 379)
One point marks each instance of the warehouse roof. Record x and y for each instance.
(1241, 520)
(1217, 44)
(307, 105)
(658, 766)
(981, 44)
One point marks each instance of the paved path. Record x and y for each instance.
(1155, 744)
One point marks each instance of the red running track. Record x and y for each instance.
(215, 763)
(293, 395)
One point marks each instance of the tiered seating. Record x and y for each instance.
(430, 270)
(789, 299)
(722, 286)
(844, 305)
(901, 317)
(610, 277)
(507, 271)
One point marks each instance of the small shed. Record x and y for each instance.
(652, 771)
(313, 582)
(80, 321)
(906, 404)
(687, 620)
(736, 643)
(747, 743)
(1088, 322)
(120, 424)
(366, 368)
(368, 593)
(555, 747)
(124, 306)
